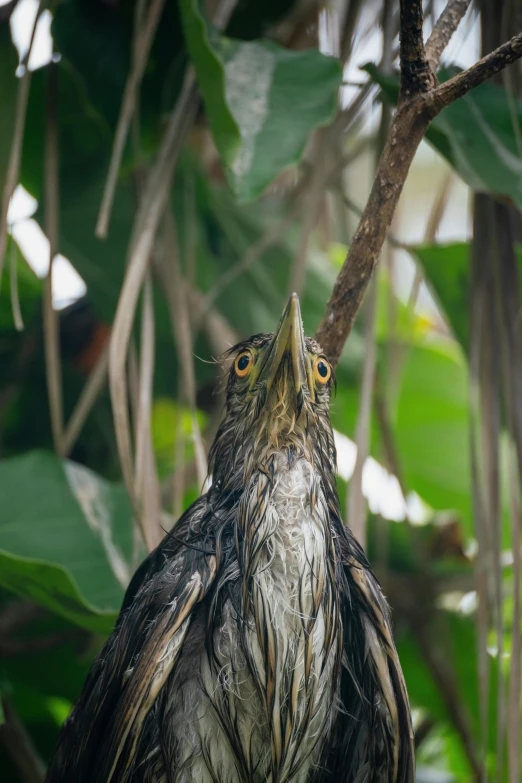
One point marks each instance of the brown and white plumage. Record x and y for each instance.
(254, 645)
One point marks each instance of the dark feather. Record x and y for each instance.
(199, 623)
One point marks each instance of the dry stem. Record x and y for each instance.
(51, 337)
(144, 41)
(15, 153)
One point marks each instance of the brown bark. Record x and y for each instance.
(420, 100)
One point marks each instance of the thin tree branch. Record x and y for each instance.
(484, 69)
(144, 39)
(417, 107)
(151, 210)
(145, 227)
(51, 338)
(15, 153)
(90, 392)
(177, 301)
(146, 477)
(407, 131)
(254, 252)
(441, 34)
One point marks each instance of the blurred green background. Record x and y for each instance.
(270, 182)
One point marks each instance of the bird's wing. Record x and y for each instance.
(373, 736)
(99, 740)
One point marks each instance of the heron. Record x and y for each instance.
(254, 645)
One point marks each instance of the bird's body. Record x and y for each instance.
(254, 645)
(224, 691)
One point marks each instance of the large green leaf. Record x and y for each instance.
(448, 273)
(431, 427)
(476, 134)
(262, 101)
(66, 538)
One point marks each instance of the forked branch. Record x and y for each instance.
(420, 100)
(443, 31)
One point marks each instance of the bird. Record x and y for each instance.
(254, 645)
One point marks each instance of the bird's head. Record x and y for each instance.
(278, 397)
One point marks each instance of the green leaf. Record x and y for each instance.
(431, 427)
(168, 416)
(65, 538)
(447, 271)
(476, 134)
(262, 101)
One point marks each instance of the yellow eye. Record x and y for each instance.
(322, 370)
(243, 364)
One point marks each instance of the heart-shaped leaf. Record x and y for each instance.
(66, 538)
(262, 101)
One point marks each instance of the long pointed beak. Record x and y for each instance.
(288, 340)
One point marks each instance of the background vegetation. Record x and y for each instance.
(264, 195)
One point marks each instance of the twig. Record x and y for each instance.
(443, 31)
(326, 141)
(144, 233)
(51, 338)
(178, 474)
(388, 441)
(144, 41)
(15, 154)
(88, 397)
(177, 301)
(150, 212)
(220, 334)
(19, 746)
(472, 77)
(357, 509)
(484, 433)
(146, 477)
(190, 229)
(310, 213)
(413, 116)
(254, 252)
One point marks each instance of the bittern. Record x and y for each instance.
(254, 644)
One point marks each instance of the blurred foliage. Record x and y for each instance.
(67, 542)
